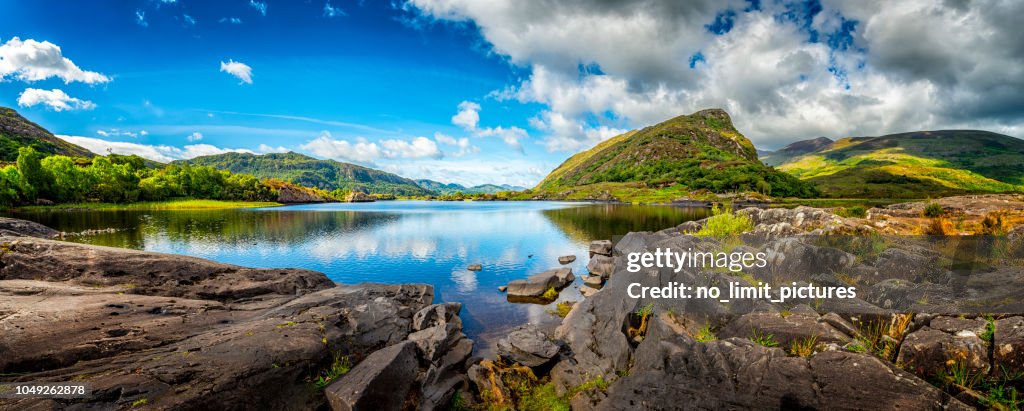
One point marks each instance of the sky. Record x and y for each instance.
(498, 91)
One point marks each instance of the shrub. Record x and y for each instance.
(724, 223)
(855, 212)
(705, 334)
(993, 224)
(933, 210)
(940, 226)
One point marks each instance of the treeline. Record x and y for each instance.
(120, 179)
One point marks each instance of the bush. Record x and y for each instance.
(854, 212)
(723, 223)
(933, 210)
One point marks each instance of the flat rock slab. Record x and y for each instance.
(537, 284)
(600, 247)
(14, 227)
(566, 259)
(382, 381)
(528, 346)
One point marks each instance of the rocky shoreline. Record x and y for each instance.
(174, 332)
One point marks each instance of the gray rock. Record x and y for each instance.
(13, 227)
(1008, 351)
(383, 381)
(601, 265)
(926, 352)
(566, 259)
(784, 330)
(537, 284)
(475, 267)
(528, 346)
(594, 281)
(502, 288)
(588, 291)
(600, 247)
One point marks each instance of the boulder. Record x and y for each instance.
(601, 265)
(537, 284)
(929, 352)
(594, 281)
(784, 330)
(14, 228)
(600, 247)
(528, 346)
(566, 259)
(475, 267)
(1008, 351)
(588, 291)
(383, 381)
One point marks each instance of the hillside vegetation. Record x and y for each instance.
(455, 188)
(701, 151)
(307, 171)
(17, 132)
(912, 165)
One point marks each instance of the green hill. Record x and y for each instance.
(452, 188)
(702, 151)
(17, 132)
(311, 172)
(913, 165)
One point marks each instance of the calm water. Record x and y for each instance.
(391, 242)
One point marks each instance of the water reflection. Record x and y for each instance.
(392, 242)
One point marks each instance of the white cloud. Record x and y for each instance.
(332, 11)
(419, 147)
(116, 132)
(500, 170)
(263, 148)
(161, 153)
(462, 144)
(468, 117)
(237, 69)
(260, 6)
(195, 136)
(56, 100)
(600, 67)
(232, 20)
(140, 18)
(32, 60)
(189, 20)
(362, 151)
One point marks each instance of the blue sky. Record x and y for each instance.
(502, 92)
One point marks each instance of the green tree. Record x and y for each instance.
(10, 186)
(70, 182)
(36, 179)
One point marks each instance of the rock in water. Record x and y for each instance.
(566, 259)
(359, 197)
(593, 281)
(537, 284)
(601, 265)
(475, 267)
(600, 247)
(528, 346)
(14, 228)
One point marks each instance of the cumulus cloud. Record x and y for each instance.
(366, 152)
(263, 148)
(32, 60)
(140, 18)
(502, 170)
(55, 99)
(784, 70)
(232, 20)
(161, 153)
(462, 144)
(468, 117)
(195, 136)
(240, 70)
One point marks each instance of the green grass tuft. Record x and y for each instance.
(765, 339)
(724, 223)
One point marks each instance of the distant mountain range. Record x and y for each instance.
(452, 188)
(17, 132)
(702, 151)
(907, 165)
(311, 172)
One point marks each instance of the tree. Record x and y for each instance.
(10, 186)
(70, 182)
(36, 179)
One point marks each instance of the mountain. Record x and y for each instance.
(452, 188)
(17, 132)
(799, 148)
(311, 172)
(912, 165)
(701, 151)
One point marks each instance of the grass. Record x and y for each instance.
(724, 223)
(764, 339)
(705, 334)
(804, 347)
(155, 205)
(596, 383)
(139, 402)
(882, 338)
(644, 314)
(340, 365)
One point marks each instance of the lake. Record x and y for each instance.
(391, 242)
